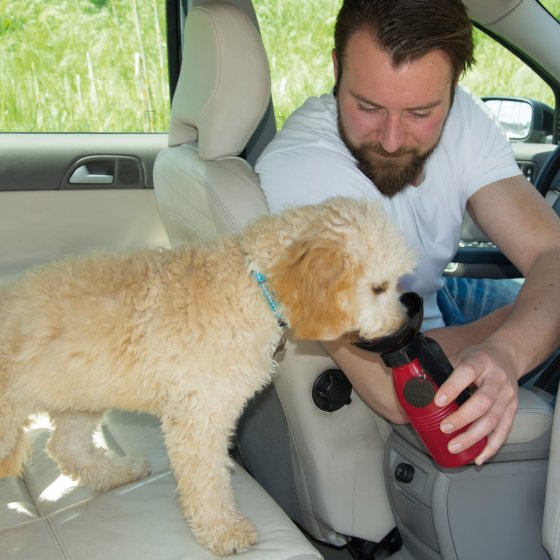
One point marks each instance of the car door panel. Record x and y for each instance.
(45, 216)
(531, 157)
(48, 161)
(477, 257)
(39, 226)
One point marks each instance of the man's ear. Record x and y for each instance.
(335, 65)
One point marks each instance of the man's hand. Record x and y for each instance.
(491, 368)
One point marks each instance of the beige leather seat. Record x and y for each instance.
(46, 516)
(325, 469)
(202, 188)
(551, 521)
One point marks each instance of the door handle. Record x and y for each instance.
(105, 171)
(83, 176)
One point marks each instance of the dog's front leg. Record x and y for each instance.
(197, 443)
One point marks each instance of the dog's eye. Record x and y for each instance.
(379, 289)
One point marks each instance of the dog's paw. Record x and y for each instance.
(139, 468)
(228, 537)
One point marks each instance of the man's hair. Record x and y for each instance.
(409, 29)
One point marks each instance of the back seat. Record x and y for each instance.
(47, 516)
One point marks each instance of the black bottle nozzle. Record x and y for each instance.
(392, 342)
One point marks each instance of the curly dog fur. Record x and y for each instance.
(187, 335)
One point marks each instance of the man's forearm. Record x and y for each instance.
(533, 325)
(369, 378)
(455, 339)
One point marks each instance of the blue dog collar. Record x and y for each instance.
(261, 281)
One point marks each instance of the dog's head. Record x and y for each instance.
(339, 270)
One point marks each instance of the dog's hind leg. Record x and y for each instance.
(198, 444)
(14, 447)
(72, 447)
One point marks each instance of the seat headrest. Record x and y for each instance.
(224, 84)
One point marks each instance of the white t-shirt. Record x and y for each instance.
(307, 162)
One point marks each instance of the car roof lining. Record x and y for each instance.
(487, 12)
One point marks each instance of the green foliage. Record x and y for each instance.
(83, 66)
(499, 72)
(553, 6)
(298, 39)
(101, 65)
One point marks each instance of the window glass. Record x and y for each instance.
(298, 37)
(500, 73)
(553, 6)
(83, 66)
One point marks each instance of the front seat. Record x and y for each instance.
(202, 188)
(551, 520)
(324, 468)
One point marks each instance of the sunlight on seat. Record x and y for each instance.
(39, 421)
(60, 487)
(20, 507)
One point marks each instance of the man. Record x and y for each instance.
(399, 129)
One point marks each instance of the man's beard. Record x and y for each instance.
(391, 173)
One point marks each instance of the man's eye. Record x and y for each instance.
(368, 108)
(420, 115)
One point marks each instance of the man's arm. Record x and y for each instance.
(372, 380)
(369, 378)
(496, 350)
(516, 217)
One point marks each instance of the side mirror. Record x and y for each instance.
(523, 119)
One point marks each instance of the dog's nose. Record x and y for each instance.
(412, 302)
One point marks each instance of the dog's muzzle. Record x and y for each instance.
(413, 304)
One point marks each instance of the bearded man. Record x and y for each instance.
(398, 127)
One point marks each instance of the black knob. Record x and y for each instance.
(331, 390)
(404, 472)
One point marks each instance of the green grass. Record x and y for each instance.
(83, 66)
(498, 71)
(298, 40)
(101, 65)
(298, 37)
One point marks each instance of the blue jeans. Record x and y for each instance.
(463, 300)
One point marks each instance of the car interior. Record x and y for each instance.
(319, 473)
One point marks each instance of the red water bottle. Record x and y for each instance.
(419, 367)
(415, 390)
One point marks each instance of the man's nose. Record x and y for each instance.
(391, 133)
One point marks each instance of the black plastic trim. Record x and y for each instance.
(173, 17)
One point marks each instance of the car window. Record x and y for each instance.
(499, 72)
(298, 37)
(553, 6)
(512, 90)
(83, 66)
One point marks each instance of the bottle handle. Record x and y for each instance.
(432, 358)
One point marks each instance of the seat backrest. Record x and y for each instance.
(325, 469)
(203, 188)
(551, 521)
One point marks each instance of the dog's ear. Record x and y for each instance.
(311, 279)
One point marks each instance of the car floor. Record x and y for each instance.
(333, 553)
